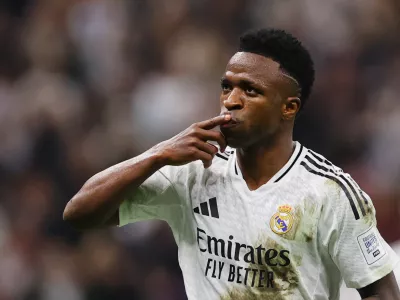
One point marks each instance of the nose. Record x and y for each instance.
(233, 101)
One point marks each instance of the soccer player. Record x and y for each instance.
(260, 216)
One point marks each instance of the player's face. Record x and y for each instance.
(250, 93)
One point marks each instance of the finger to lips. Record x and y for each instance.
(214, 122)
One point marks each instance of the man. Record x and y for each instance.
(266, 218)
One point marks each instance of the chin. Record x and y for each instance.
(237, 143)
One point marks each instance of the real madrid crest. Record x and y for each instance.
(282, 221)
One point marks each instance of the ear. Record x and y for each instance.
(290, 108)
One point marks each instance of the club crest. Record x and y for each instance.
(282, 221)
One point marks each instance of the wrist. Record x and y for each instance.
(157, 156)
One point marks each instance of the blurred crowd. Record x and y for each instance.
(85, 84)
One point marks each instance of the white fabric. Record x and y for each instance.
(352, 294)
(257, 248)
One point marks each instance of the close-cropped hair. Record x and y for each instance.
(285, 49)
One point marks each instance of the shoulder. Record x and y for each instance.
(319, 170)
(338, 187)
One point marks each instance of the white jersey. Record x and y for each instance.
(295, 237)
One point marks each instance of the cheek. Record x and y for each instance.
(264, 111)
(267, 117)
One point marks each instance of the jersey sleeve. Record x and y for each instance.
(156, 198)
(352, 238)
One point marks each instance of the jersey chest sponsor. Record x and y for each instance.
(251, 265)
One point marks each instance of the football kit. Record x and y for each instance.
(295, 237)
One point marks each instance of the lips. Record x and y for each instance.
(230, 124)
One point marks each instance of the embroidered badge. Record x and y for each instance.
(282, 221)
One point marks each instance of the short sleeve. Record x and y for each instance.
(156, 198)
(352, 238)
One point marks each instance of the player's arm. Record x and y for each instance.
(349, 231)
(383, 289)
(97, 202)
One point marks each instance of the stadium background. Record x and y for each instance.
(86, 84)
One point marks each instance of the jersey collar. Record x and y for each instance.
(298, 150)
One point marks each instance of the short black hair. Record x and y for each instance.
(285, 49)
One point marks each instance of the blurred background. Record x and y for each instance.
(85, 84)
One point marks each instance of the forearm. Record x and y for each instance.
(384, 289)
(382, 297)
(100, 197)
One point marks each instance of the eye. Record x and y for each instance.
(226, 88)
(251, 91)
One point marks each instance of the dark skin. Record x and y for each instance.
(264, 103)
(259, 104)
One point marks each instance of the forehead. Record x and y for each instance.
(254, 66)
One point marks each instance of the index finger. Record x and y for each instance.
(214, 122)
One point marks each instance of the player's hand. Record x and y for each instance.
(191, 144)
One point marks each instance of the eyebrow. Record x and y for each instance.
(243, 81)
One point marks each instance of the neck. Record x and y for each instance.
(259, 163)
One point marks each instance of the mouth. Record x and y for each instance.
(232, 123)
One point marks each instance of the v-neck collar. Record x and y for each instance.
(298, 150)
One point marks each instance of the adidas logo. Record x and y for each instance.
(204, 208)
